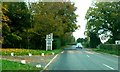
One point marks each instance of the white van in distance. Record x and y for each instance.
(79, 45)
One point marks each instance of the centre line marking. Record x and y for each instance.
(108, 66)
(88, 56)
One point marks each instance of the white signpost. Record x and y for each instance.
(49, 39)
(117, 42)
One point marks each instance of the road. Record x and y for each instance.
(83, 59)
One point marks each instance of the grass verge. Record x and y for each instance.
(10, 65)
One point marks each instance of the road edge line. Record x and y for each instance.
(50, 62)
(108, 66)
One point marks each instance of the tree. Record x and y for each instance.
(80, 40)
(5, 30)
(58, 18)
(20, 21)
(103, 18)
(29, 25)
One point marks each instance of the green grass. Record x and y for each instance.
(10, 65)
(8, 51)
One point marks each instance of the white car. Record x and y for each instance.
(79, 45)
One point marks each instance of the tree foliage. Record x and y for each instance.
(5, 24)
(15, 21)
(58, 18)
(26, 26)
(80, 40)
(94, 40)
(103, 18)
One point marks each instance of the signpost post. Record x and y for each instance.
(49, 39)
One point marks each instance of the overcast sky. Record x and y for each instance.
(82, 7)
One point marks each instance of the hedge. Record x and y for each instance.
(114, 47)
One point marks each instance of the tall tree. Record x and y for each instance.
(5, 30)
(103, 18)
(58, 18)
(20, 21)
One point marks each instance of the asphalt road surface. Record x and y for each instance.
(83, 59)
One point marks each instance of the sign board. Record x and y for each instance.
(117, 42)
(103, 38)
(49, 39)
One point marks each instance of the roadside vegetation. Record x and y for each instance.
(20, 52)
(25, 25)
(103, 27)
(11, 66)
(107, 51)
(108, 48)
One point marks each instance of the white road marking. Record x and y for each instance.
(88, 56)
(108, 66)
(62, 52)
(50, 62)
